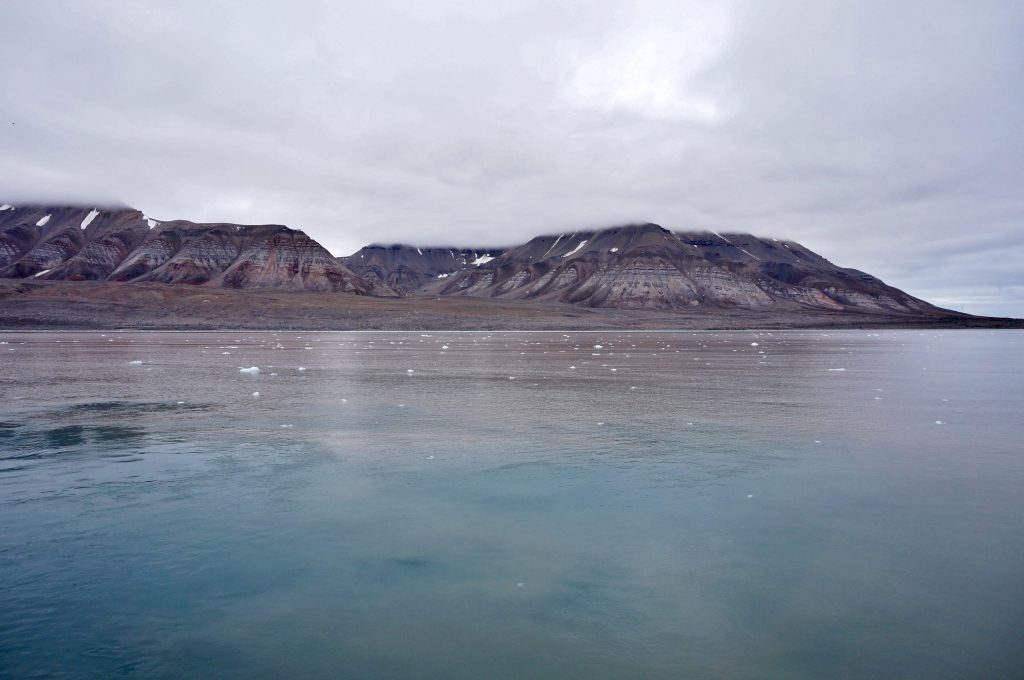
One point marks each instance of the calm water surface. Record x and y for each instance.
(512, 505)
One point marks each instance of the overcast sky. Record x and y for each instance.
(886, 136)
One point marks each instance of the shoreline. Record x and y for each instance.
(106, 306)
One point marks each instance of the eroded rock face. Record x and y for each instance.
(290, 260)
(407, 269)
(648, 267)
(110, 235)
(34, 240)
(203, 254)
(120, 244)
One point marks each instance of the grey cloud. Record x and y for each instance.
(885, 136)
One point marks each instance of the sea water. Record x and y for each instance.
(750, 504)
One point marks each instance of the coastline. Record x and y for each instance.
(86, 305)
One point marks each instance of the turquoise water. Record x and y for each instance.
(710, 508)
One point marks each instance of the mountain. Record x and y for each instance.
(645, 266)
(407, 269)
(121, 244)
(631, 267)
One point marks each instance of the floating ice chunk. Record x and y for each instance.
(89, 218)
(939, 422)
(511, 377)
(835, 369)
(520, 585)
(255, 394)
(410, 370)
(601, 423)
(302, 368)
(252, 370)
(750, 495)
(287, 426)
(598, 346)
(42, 222)
(444, 346)
(572, 368)
(134, 363)
(430, 458)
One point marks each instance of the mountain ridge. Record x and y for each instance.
(639, 266)
(645, 266)
(78, 243)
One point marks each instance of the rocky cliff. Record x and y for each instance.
(121, 244)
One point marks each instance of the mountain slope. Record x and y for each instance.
(406, 269)
(121, 244)
(648, 267)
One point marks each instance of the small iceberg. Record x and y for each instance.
(252, 370)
